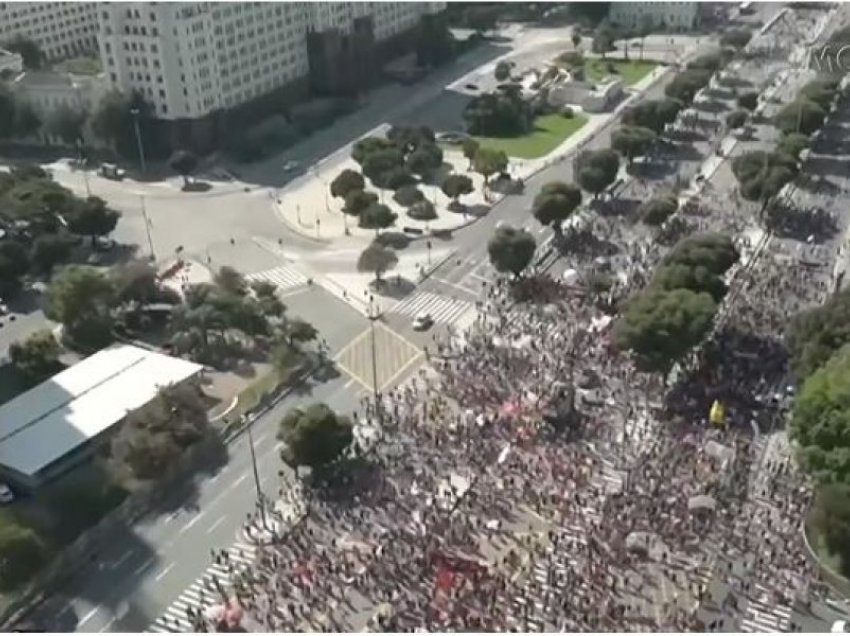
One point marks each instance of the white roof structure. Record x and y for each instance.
(74, 406)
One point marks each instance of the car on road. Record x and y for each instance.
(111, 171)
(6, 494)
(422, 321)
(839, 627)
(4, 309)
(471, 87)
(291, 166)
(453, 137)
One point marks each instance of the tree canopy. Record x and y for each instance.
(660, 326)
(81, 298)
(748, 100)
(488, 162)
(377, 259)
(314, 436)
(555, 203)
(711, 250)
(37, 357)
(653, 114)
(820, 421)
(357, 200)
(736, 38)
(816, 334)
(597, 169)
(658, 209)
(502, 113)
(184, 163)
(632, 141)
(345, 182)
(91, 217)
(762, 175)
(455, 186)
(800, 116)
(511, 250)
(377, 217)
(687, 84)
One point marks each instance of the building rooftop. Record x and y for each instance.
(74, 406)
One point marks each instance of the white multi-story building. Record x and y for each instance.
(673, 16)
(61, 29)
(191, 59)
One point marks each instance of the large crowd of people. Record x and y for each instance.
(531, 479)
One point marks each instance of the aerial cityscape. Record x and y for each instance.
(424, 316)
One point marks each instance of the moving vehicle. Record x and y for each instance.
(291, 166)
(111, 171)
(422, 321)
(6, 494)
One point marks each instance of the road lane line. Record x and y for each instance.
(108, 625)
(89, 614)
(164, 572)
(242, 478)
(415, 359)
(259, 440)
(349, 383)
(122, 559)
(455, 285)
(216, 524)
(148, 562)
(192, 522)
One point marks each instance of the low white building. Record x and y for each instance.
(668, 16)
(49, 429)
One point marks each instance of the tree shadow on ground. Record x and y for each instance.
(817, 184)
(623, 208)
(822, 165)
(685, 136)
(394, 287)
(438, 175)
(25, 302)
(684, 152)
(794, 223)
(196, 186)
(394, 240)
(476, 210)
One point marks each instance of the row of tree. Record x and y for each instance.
(670, 316)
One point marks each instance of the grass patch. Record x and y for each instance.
(79, 66)
(631, 71)
(550, 131)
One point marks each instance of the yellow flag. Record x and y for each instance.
(717, 414)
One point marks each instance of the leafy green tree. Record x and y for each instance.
(761, 176)
(696, 278)
(315, 436)
(821, 91)
(470, 149)
(28, 49)
(81, 298)
(653, 114)
(455, 186)
(511, 250)
(710, 62)
(793, 145)
(266, 294)
(502, 113)
(368, 146)
(816, 334)
(379, 162)
(658, 209)
(597, 169)
(820, 421)
(603, 39)
(661, 326)
(300, 331)
(576, 40)
(231, 281)
(408, 195)
(632, 141)
(24, 554)
(800, 116)
(749, 100)
(488, 162)
(49, 250)
(425, 159)
(357, 200)
(736, 38)
(830, 519)
(26, 121)
(184, 163)
(571, 59)
(377, 217)
(503, 71)
(155, 436)
(409, 138)
(345, 182)
(91, 217)
(66, 123)
(736, 119)
(711, 250)
(422, 211)
(37, 357)
(14, 263)
(687, 84)
(377, 259)
(113, 122)
(555, 203)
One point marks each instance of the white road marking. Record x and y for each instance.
(261, 438)
(242, 478)
(122, 558)
(192, 522)
(455, 285)
(216, 523)
(164, 572)
(143, 566)
(89, 614)
(348, 384)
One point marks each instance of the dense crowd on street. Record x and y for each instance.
(531, 479)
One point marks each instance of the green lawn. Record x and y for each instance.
(632, 71)
(549, 132)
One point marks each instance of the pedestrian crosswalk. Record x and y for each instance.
(202, 594)
(283, 277)
(441, 308)
(761, 615)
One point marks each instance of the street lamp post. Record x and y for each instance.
(428, 245)
(147, 227)
(135, 113)
(373, 313)
(260, 496)
(80, 160)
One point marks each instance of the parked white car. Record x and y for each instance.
(6, 494)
